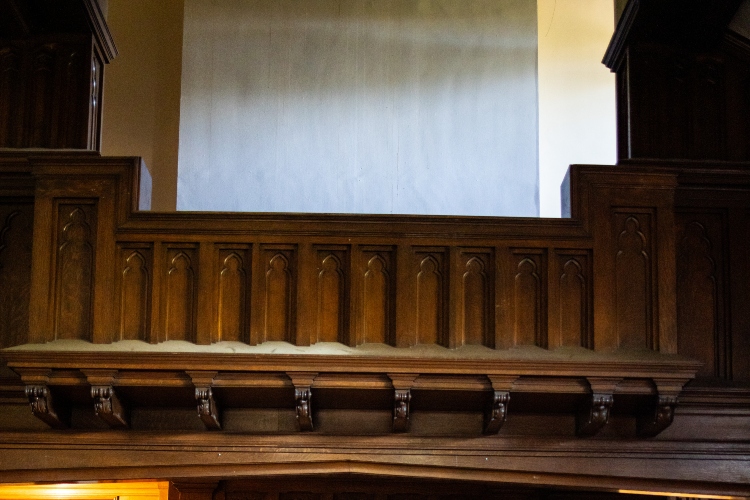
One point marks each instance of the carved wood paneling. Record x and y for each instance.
(74, 276)
(180, 293)
(332, 289)
(431, 288)
(700, 313)
(135, 292)
(739, 295)
(378, 287)
(476, 321)
(529, 297)
(11, 92)
(43, 60)
(233, 313)
(50, 88)
(279, 293)
(571, 311)
(15, 272)
(633, 281)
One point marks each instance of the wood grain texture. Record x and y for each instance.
(377, 298)
(529, 298)
(135, 293)
(15, 272)
(233, 313)
(74, 271)
(633, 285)
(279, 294)
(180, 294)
(333, 295)
(570, 301)
(431, 287)
(474, 309)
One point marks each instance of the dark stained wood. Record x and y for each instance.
(681, 81)
(52, 57)
(15, 272)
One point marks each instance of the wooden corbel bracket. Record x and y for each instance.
(594, 414)
(208, 409)
(107, 405)
(302, 382)
(43, 405)
(402, 384)
(497, 413)
(661, 414)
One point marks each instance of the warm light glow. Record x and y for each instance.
(151, 490)
(672, 494)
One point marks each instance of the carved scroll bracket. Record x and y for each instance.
(498, 411)
(208, 409)
(43, 405)
(402, 384)
(302, 382)
(594, 414)
(107, 405)
(662, 413)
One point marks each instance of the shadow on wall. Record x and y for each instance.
(360, 106)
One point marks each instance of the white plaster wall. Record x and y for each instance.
(363, 106)
(577, 108)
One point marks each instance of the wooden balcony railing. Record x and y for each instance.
(331, 301)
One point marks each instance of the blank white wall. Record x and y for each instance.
(368, 106)
(577, 109)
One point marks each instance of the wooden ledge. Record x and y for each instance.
(433, 360)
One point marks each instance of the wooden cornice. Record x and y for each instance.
(688, 23)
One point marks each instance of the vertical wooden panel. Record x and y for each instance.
(15, 273)
(257, 301)
(206, 292)
(475, 297)
(431, 288)
(529, 298)
(633, 300)
(405, 297)
(570, 322)
(503, 295)
(74, 271)
(332, 323)
(40, 109)
(11, 93)
(179, 294)
(700, 315)
(378, 313)
(232, 310)
(279, 292)
(305, 300)
(739, 292)
(158, 333)
(330, 295)
(134, 293)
